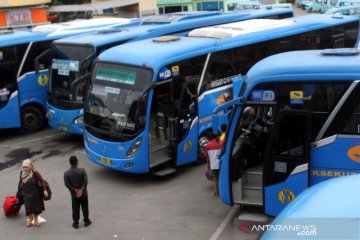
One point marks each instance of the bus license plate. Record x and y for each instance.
(105, 160)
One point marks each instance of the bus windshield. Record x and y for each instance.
(116, 103)
(68, 65)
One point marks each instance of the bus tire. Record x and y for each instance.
(32, 119)
(202, 141)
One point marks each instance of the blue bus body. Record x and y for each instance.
(66, 113)
(182, 80)
(328, 210)
(23, 99)
(304, 131)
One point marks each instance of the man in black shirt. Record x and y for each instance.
(76, 181)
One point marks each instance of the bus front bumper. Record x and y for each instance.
(69, 121)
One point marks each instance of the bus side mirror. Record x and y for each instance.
(37, 64)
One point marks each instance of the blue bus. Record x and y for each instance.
(150, 110)
(23, 97)
(328, 210)
(304, 127)
(68, 85)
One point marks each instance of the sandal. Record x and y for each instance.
(38, 224)
(28, 223)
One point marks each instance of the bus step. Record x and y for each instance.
(251, 201)
(246, 215)
(158, 147)
(159, 157)
(164, 171)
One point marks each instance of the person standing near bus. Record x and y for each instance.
(30, 188)
(212, 151)
(76, 181)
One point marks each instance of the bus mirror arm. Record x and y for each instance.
(37, 60)
(143, 93)
(87, 59)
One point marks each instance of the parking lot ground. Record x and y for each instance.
(122, 206)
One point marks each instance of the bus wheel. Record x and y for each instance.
(32, 119)
(203, 140)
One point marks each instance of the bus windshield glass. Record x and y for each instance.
(68, 65)
(117, 101)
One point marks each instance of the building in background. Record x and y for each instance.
(120, 8)
(22, 13)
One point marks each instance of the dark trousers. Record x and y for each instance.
(76, 203)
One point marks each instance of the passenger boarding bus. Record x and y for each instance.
(67, 86)
(291, 126)
(152, 108)
(23, 92)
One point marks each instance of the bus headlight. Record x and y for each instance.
(79, 120)
(134, 148)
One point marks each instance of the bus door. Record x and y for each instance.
(187, 122)
(286, 160)
(9, 99)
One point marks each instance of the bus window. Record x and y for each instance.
(352, 124)
(35, 50)
(8, 83)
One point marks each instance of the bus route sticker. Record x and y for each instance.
(164, 73)
(296, 97)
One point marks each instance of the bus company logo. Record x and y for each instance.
(354, 154)
(187, 146)
(43, 80)
(285, 196)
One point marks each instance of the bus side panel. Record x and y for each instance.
(187, 148)
(277, 196)
(210, 100)
(10, 114)
(33, 88)
(339, 158)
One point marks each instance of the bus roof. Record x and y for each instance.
(318, 66)
(155, 54)
(150, 27)
(56, 31)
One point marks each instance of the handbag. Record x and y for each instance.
(208, 174)
(47, 187)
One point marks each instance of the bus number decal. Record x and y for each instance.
(296, 97)
(112, 90)
(220, 82)
(262, 95)
(164, 73)
(175, 70)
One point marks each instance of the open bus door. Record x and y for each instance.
(187, 134)
(9, 98)
(286, 161)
